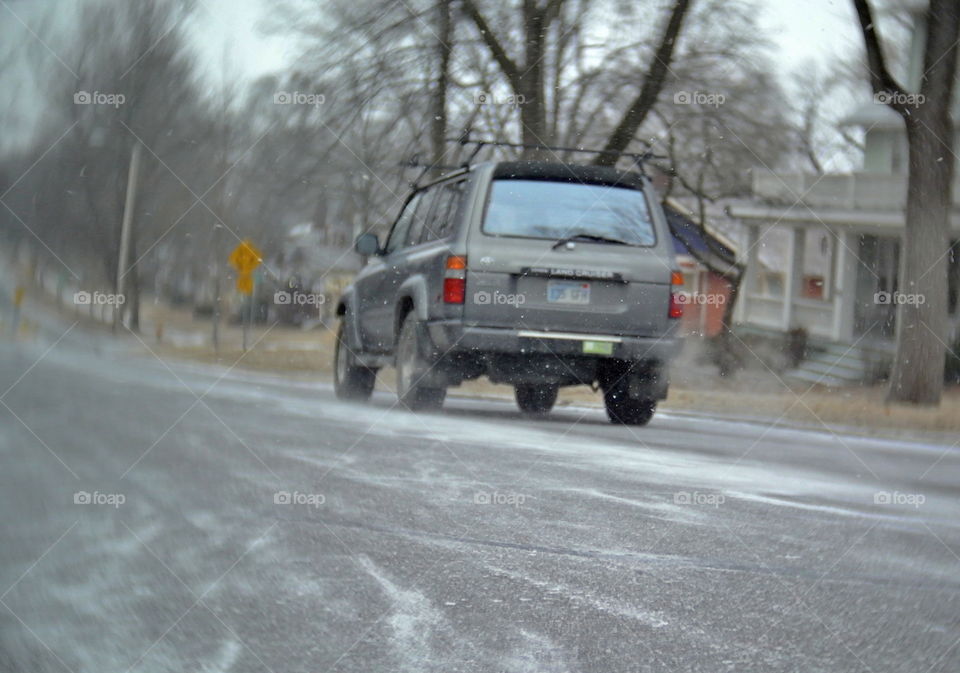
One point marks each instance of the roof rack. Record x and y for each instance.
(638, 157)
(415, 162)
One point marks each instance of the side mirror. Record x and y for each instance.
(367, 245)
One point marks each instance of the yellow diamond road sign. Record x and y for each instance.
(245, 258)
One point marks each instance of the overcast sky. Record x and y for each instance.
(812, 29)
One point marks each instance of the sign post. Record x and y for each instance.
(18, 295)
(125, 225)
(245, 258)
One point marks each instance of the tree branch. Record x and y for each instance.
(551, 11)
(507, 64)
(881, 80)
(652, 85)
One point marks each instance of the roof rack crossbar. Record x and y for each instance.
(638, 157)
(415, 162)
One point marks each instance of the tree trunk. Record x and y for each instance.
(918, 369)
(438, 127)
(530, 85)
(720, 263)
(132, 305)
(533, 117)
(526, 79)
(921, 315)
(727, 358)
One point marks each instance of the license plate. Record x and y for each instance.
(568, 292)
(598, 347)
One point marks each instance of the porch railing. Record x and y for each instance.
(816, 316)
(853, 191)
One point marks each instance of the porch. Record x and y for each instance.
(834, 282)
(822, 253)
(808, 277)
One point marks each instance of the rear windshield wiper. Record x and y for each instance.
(589, 237)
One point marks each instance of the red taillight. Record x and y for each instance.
(455, 280)
(676, 306)
(454, 290)
(676, 300)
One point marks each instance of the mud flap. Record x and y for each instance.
(651, 383)
(432, 371)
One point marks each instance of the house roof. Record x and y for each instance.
(690, 239)
(874, 116)
(303, 252)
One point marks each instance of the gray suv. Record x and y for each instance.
(537, 275)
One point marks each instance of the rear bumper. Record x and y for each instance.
(453, 336)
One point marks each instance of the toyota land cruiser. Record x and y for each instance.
(534, 274)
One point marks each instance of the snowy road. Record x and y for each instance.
(468, 540)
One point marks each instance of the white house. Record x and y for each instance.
(822, 251)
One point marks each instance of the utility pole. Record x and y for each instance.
(222, 130)
(216, 285)
(128, 207)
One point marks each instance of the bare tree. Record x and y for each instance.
(133, 58)
(917, 375)
(527, 73)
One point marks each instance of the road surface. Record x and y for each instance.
(162, 516)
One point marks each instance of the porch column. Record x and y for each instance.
(748, 285)
(845, 285)
(791, 287)
(753, 258)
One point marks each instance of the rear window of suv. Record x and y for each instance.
(554, 210)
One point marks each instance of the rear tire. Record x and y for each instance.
(412, 369)
(535, 398)
(625, 410)
(351, 381)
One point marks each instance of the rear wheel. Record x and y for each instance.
(351, 381)
(626, 410)
(535, 398)
(412, 369)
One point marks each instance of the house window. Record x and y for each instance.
(772, 259)
(818, 265)
(772, 284)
